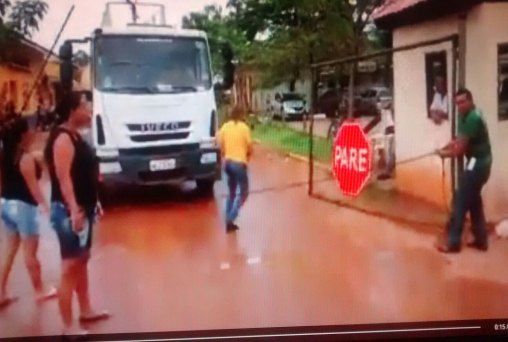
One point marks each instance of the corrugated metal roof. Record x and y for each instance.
(390, 7)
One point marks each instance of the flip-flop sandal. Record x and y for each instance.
(95, 318)
(8, 301)
(51, 294)
(75, 334)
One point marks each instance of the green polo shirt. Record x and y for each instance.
(473, 127)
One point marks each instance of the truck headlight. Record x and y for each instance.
(110, 167)
(107, 153)
(209, 158)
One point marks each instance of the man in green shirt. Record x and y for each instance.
(473, 142)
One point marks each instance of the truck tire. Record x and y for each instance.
(205, 186)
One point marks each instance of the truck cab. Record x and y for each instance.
(154, 110)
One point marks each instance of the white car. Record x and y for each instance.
(289, 106)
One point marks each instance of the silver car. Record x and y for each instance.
(289, 106)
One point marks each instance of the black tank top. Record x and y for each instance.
(14, 186)
(84, 171)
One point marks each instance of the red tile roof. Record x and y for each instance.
(390, 7)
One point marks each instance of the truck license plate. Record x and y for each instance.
(162, 165)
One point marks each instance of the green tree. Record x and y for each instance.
(19, 19)
(220, 28)
(299, 32)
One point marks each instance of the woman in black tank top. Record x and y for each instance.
(73, 170)
(21, 195)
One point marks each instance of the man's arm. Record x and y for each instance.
(458, 147)
(454, 148)
(437, 111)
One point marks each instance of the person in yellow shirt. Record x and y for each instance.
(235, 141)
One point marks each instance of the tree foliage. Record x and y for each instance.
(21, 16)
(19, 19)
(220, 28)
(282, 37)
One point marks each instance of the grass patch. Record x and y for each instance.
(286, 139)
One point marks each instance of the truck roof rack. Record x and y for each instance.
(106, 18)
(150, 25)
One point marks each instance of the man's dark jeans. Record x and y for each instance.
(468, 198)
(238, 183)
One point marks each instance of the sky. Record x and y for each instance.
(87, 16)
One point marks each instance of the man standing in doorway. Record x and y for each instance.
(235, 141)
(473, 142)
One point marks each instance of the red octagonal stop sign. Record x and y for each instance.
(352, 159)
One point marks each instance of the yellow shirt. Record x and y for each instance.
(235, 141)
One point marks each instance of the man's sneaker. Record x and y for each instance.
(231, 227)
(445, 248)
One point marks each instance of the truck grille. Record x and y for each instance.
(159, 150)
(159, 127)
(159, 137)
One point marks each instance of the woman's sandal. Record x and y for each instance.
(50, 294)
(95, 318)
(7, 301)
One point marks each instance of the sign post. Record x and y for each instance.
(352, 159)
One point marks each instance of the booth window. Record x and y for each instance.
(436, 72)
(502, 98)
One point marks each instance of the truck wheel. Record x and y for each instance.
(205, 186)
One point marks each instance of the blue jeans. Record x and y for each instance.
(238, 183)
(468, 198)
(20, 217)
(72, 245)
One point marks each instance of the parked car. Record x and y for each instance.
(368, 102)
(288, 106)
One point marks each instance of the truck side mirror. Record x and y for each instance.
(229, 67)
(66, 66)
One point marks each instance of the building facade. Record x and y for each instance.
(18, 75)
(482, 26)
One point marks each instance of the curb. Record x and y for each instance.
(306, 160)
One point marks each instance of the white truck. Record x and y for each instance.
(154, 109)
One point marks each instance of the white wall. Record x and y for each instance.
(486, 29)
(416, 134)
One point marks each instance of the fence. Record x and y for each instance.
(401, 97)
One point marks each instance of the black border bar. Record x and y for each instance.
(363, 332)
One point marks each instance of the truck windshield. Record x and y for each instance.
(151, 65)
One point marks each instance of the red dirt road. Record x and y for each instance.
(162, 262)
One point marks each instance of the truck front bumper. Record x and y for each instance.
(189, 162)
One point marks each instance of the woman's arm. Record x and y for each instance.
(63, 154)
(29, 172)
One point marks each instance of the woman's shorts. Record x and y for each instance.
(20, 217)
(72, 245)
